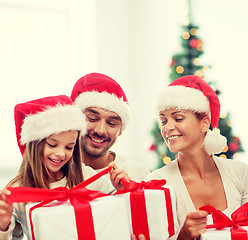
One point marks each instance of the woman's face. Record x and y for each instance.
(58, 150)
(182, 130)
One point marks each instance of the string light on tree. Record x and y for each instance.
(166, 160)
(186, 35)
(179, 69)
(193, 31)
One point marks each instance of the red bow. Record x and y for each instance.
(238, 218)
(138, 204)
(131, 186)
(78, 197)
(220, 220)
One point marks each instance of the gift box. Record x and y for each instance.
(57, 220)
(151, 208)
(225, 228)
(225, 234)
(76, 213)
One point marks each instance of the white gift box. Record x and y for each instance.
(57, 220)
(223, 234)
(156, 211)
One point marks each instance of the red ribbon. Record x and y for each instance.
(78, 196)
(138, 206)
(131, 186)
(238, 218)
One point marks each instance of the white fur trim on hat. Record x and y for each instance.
(183, 98)
(214, 142)
(192, 99)
(52, 121)
(105, 101)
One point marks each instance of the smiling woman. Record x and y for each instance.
(179, 129)
(199, 178)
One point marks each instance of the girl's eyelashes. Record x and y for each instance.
(69, 148)
(54, 145)
(50, 145)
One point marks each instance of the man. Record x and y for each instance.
(107, 113)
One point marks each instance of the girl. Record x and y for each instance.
(47, 132)
(186, 109)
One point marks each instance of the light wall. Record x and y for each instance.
(47, 45)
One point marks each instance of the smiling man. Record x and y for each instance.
(107, 113)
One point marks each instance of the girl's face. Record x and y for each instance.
(182, 130)
(58, 150)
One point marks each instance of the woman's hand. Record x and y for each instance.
(194, 225)
(116, 175)
(6, 210)
(140, 237)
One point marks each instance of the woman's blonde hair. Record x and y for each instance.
(33, 173)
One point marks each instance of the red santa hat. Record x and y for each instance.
(192, 93)
(40, 118)
(99, 90)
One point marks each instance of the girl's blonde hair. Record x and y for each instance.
(33, 173)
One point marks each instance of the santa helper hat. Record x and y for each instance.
(38, 119)
(192, 93)
(99, 90)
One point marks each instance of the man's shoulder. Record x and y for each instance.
(123, 162)
(135, 170)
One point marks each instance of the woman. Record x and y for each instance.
(186, 109)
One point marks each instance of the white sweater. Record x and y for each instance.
(234, 175)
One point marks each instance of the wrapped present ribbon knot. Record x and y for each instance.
(79, 197)
(130, 186)
(238, 219)
(138, 204)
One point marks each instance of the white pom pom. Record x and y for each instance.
(214, 142)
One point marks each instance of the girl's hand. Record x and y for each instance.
(6, 210)
(194, 225)
(116, 175)
(140, 237)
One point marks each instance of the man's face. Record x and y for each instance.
(103, 129)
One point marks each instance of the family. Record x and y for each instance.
(66, 140)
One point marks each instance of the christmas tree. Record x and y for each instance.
(188, 63)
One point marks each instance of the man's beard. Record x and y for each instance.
(93, 153)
